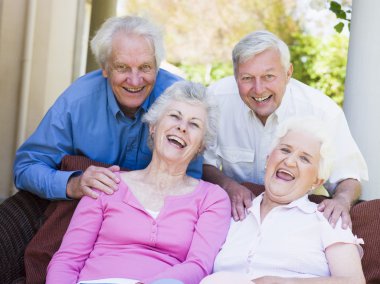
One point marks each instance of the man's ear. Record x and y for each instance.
(105, 73)
(289, 73)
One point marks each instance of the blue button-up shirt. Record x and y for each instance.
(86, 120)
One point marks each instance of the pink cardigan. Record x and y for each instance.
(114, 237)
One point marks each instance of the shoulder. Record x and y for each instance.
(212, 192)
(310, 99)
(165, 79)
(224, 86)
(226, 93)
(89, 88)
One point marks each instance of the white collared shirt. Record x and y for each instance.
(290, 242)
(243, 142)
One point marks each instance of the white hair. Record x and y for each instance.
(257, 42)
(189, 92)
(101, 44)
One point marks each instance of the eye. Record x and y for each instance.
(246, 78)
(146, 68)
(305, 159)
(269, 77)
(120, 68)
(284, 150)
(194, 124)
(174, 115)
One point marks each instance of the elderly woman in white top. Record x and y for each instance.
(285, 239)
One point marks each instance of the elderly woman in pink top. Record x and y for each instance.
(160, 223)
(285, 239)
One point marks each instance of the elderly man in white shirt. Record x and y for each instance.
(252, 103)
(284, 238)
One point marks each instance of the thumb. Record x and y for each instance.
(114, 168)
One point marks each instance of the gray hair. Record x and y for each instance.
(101, 44)
(317, 129)
(188, 92)
(257, 42)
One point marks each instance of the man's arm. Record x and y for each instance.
(347, 192)
(240, 196)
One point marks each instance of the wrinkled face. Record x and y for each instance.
(131, 70)
(179, 133)
(262, 82)
(292, 167)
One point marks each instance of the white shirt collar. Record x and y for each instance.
(303, 203)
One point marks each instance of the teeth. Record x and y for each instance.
(261, 99)
(286, 172)
(178, 140)
(134, 90)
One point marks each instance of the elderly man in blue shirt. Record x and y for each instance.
(99, 116)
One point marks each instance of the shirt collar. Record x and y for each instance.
(114, 106)
(303, 203)
(285, 110)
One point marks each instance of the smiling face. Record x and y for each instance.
(131, 70)
(292, 167)
(179, 133)
(262, 82)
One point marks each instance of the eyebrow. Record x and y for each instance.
(289, 146)
(180, 113)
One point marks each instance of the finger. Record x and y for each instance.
(328, 211)
(240, 210)
(346, 220)
(104, 184)
(235, 215)
(336, 213)
(89, 192)
(321, 206)
(247, 202)
(109, 173)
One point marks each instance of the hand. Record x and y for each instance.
(241, 199)
(334, 208)
(103, 179)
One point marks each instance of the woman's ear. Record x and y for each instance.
(152, 129)
(318, 182)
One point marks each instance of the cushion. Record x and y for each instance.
(366, 225)
(58, 214)
(19, 221)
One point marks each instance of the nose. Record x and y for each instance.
(134, 78)
(290, 160)
(182, 127)
(258, 86)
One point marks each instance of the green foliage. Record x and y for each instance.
(321, 63)
(207, 74)
(343, 14)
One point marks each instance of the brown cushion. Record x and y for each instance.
(48, 239)
(20, 217)
(366, 225)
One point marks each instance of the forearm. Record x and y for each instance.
(214, 175)
(41, 179)
(348, 190)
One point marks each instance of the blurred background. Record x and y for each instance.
(44, 47)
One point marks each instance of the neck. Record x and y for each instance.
(165, 175)
(266, 206)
